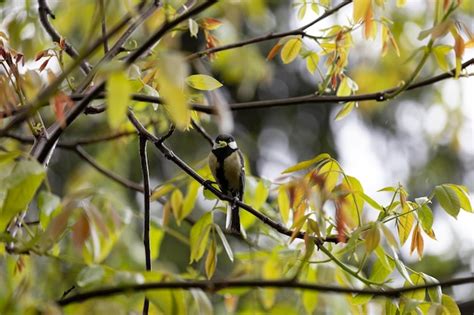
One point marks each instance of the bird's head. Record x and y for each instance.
(224, 141)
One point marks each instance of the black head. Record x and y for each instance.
(224, 141)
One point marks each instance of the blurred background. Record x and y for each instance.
(421, 139)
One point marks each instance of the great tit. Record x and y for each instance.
(227, 166)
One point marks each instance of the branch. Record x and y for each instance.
(146, 201)
(159, 144)
(269, 36)
(213, 286)
(203, 132)
(44, 11)
(380, 96)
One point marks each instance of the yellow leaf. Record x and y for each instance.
(302, 12)
(344, 88)
(306, 164)
(177, 204)
(401, 3)
(372, 239)
(291, 50)
(118, 98)
(161, 191)
(203, 82)
(190, 199)
(345, 110)
(283, 203)
(172, 73)
(199, 236)
(361, 8)
(440, 53)
(405, 223)
(211, 260)
(312, 62)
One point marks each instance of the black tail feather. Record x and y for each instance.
(234, 225)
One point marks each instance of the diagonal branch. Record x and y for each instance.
(216, 285)
(269, 36)
(119, 179)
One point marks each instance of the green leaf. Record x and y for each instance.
(312, 62)
(118, 98)
(448, 199)
(354, 202)
(308, 163)
(90, 275)
(463, 196)
(49, 206)
(199, 236)
(156, 237)
(7, 157)
(345, 110)
(450, 305)
(370, 201)
(434, 293)
(283, 203)
(290, 50)
(203, 82)
(21, 186)
(425, 215)
(226, 244)
(401, 266)
(310, 298)
(380, 272)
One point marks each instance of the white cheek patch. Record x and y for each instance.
(233, 145)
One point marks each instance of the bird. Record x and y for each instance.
(227, 166)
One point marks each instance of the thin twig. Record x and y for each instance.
(119, 179)
(103, 24)
(202, 131)
(216, 285)
(269, 36)
(146, 218)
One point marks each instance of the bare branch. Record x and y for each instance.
(213, 286)
(146, 202)
(119, 179)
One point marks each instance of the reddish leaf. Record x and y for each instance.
(60, 103)
(40, 55)
(210, 24)
(80, 231)
(44, 64)
(340, 221)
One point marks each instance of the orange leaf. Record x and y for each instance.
(340, 221)
(210, 24)
(275, 49)
(60, 103)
